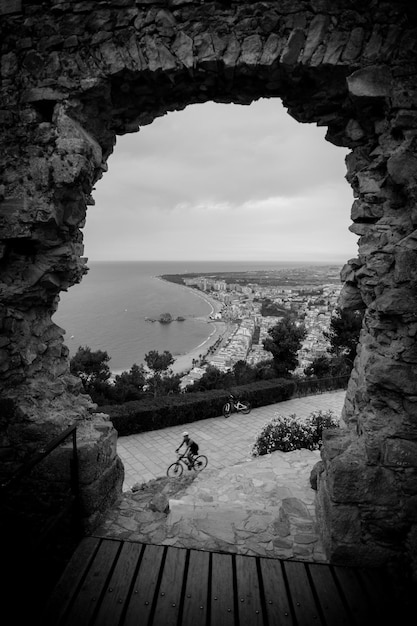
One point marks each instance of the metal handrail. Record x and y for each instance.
(44, 452)
(74, 480)
(322, 384)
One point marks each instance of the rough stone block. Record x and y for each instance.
(314, 474)
(159, 503)
(183, 49)
(409, 481)
(350, 480)
(232, 53)
(354, 44)
(402, 168)
(335, 47)
(388, 373)
(318, 27)
(96, 454)
(251, 51)
(400, 453)
(371, 82)
(272, 50)
(98, 496)
(10, 6)
(335, 441)
(293, 47)
(293, 507)
(350, 298)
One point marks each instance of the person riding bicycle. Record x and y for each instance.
(191, 449)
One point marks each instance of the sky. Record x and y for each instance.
(223, 182)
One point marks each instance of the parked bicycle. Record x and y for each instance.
(198, 463)
(234, 405)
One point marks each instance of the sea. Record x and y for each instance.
(108, 310)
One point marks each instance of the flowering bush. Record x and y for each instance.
(317, 421)
(289, 433)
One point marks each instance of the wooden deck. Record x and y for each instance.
(116, 583)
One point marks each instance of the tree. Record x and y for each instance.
(270, 308)
(159, 364)
(212, 378)
(320, 367)
(343, 334)
(164, 385)
(284, 342)
(243, 373)
(265, 370)
(129, 385)
(91, 367)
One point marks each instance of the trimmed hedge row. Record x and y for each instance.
(154, 413)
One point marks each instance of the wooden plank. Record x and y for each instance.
(88, 597)
(117, 591)
(169, 595)
(70, 580)
(222, 594)
(277, 604)
(331, 602)
(196, 591)
(356, 598)
(144, 588)
(248, 592)
(302, 598)
(380, 593)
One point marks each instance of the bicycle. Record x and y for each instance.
(198, 463)
(233, 405)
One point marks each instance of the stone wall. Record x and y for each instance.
(76, 74)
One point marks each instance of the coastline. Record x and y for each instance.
(184, 362)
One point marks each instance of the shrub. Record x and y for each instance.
(153, 413)
(289, 433)
(317, 422)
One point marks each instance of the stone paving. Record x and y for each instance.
(257, 506)
(224, 441)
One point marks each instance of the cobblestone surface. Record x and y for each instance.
(257, 506)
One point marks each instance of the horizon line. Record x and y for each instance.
(309, 261)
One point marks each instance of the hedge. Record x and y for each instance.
(154, 413)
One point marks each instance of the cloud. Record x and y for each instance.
(222, 181)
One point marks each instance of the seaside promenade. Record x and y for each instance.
(262, 506)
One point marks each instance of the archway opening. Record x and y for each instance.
(215, 184)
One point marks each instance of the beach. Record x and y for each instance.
(184, 362)
(219, 329)
(216, 328)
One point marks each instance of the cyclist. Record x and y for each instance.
(191, 449)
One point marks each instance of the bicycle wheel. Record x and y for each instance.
(200, 463)
(227, 409)
(247, 408)
(175, 470)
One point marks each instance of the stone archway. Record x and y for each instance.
(75, 75)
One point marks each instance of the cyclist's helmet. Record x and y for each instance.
(185, 434)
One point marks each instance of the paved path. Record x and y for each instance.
(224, 441)
(257, 506)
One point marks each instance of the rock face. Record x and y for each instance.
(165, 318)
(76, 74)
